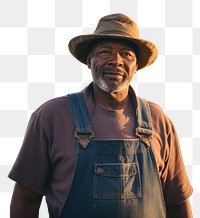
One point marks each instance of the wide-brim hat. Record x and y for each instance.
(115, 26)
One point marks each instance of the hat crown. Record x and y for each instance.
(115, 27)
(117, 24)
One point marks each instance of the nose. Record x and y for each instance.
(116, 59)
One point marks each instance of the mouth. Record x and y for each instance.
(114, 76)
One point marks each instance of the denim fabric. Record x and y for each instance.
(116, 178)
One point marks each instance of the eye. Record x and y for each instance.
(128, 54)
(105, 51)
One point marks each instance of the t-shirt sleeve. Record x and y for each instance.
(176, 186)
(32, 167)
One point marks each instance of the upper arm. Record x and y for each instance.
(167, 150)
(32, 165)
(24, 203)
(183, 210)
(176, 185)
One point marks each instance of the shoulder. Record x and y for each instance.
(156, 108)
(157, 112)
(54, 106)
(159, 118)
(57, 103)
(52, 112)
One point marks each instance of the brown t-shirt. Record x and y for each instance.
(46, 161)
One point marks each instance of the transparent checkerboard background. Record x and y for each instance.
(35, 65)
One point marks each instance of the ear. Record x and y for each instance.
(89, 62)
(136, 68)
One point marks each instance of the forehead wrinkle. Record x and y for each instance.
(120, 45)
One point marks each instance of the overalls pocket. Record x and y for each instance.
(117, 181)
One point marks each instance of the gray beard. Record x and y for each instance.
(110, 88)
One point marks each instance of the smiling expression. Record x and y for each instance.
(113, 64)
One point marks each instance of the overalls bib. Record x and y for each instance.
(114, 178)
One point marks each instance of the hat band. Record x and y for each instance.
(115, 32)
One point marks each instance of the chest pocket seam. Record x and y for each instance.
(117, 181)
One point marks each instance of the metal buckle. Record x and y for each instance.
(146, 138)
(83, 141)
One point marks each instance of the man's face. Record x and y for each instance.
(113, 64)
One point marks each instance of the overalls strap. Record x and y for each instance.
(114, 178)
(81, 118)
(83, 124)
(143, 113)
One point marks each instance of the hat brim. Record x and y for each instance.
(147, 52)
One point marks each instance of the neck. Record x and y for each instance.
(114, 100)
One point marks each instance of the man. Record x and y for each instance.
(103, 152)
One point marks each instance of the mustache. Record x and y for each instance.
(117, 70)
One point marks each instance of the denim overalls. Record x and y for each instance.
(114, 178)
